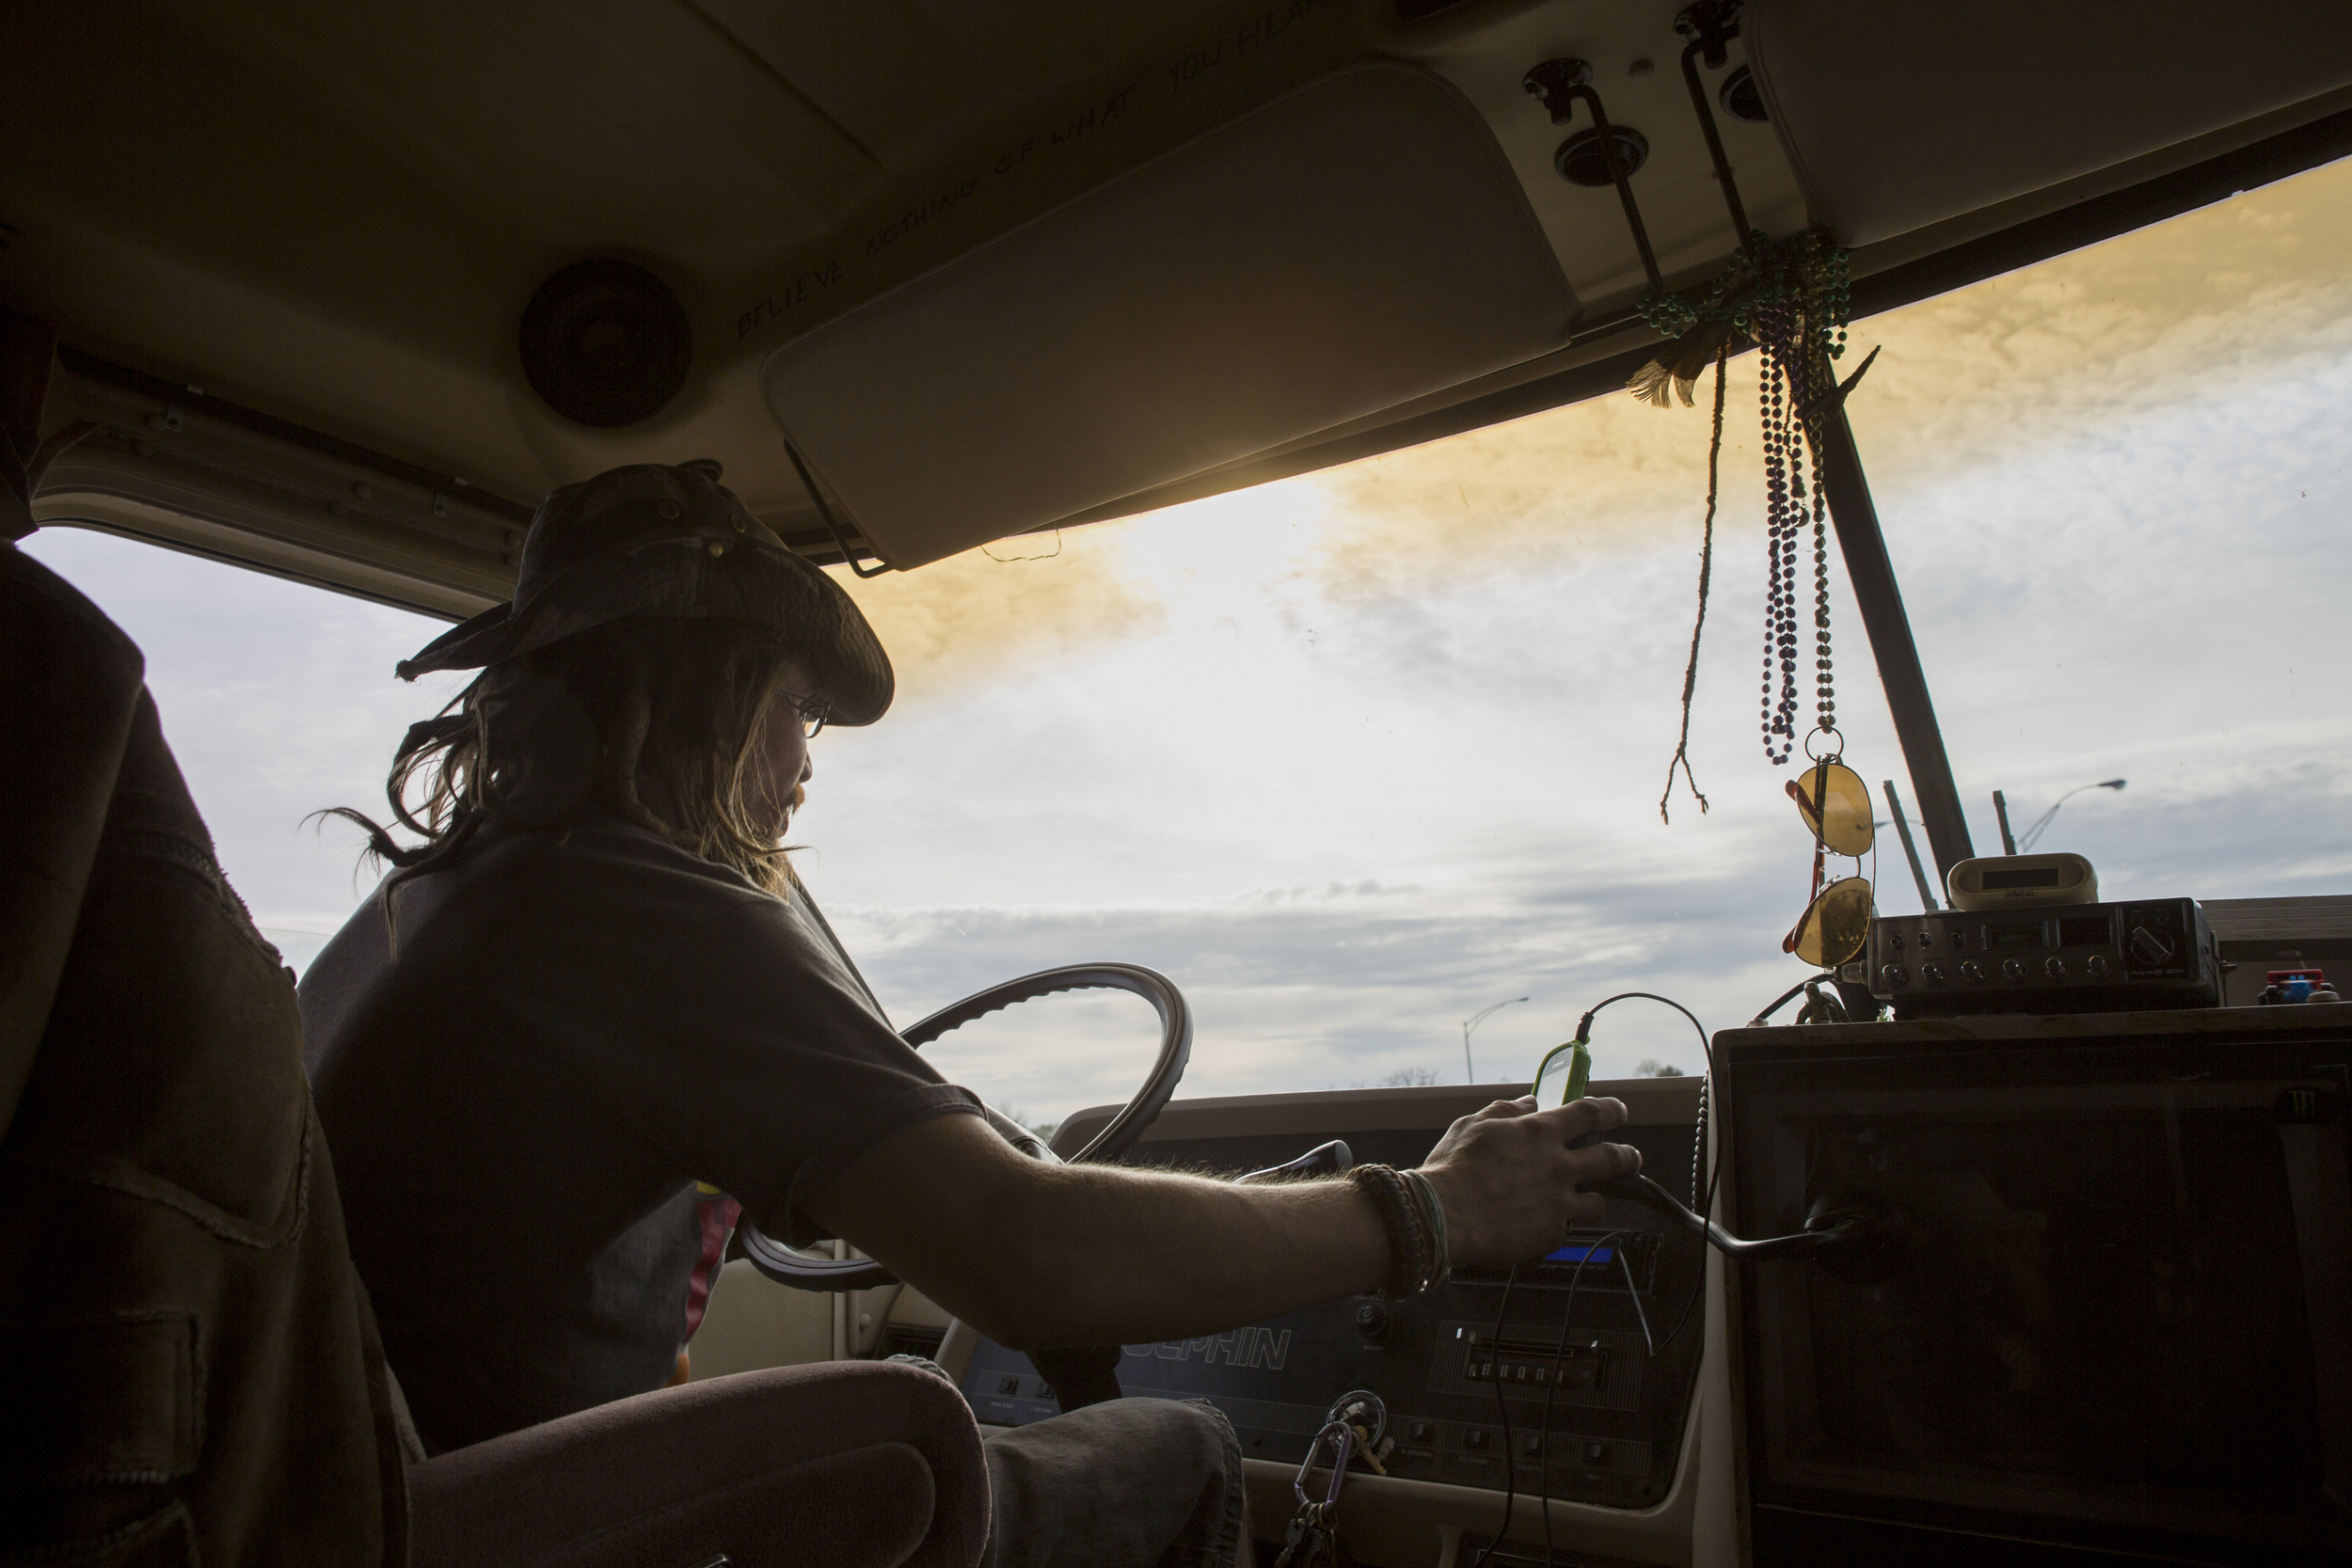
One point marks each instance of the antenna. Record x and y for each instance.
(1911, 852)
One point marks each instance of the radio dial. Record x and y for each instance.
(2012, 969)
(2150, 946)
(1971, 970)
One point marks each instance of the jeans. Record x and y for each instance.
(1127, 1483)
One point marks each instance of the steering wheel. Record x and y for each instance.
(809, 1272)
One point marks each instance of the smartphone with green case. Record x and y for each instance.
(1562, 1078)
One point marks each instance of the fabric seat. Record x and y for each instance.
(192, 1370)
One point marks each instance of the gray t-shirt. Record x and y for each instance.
(546, 1089)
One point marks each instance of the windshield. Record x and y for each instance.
(1355, 756)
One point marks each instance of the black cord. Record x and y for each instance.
(1509, 1478)
(1786, 997)
(1559, 1349)
(1702, 1204)
(1820, 1232)
(1699, 1155)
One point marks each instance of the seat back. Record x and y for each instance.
(191, 1367)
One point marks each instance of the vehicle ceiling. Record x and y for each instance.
(992, 266)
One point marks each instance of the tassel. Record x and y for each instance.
(1652, 383)
(1678, 367)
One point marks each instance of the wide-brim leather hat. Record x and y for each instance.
(672, 543)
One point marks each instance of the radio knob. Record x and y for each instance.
(1372, 1321)
(2150, 946)
(1892, 976)
(1893, 942)
(1932, 974)
(2054, 968)
(1971, 970)
(2012, 969)
(2097, 966)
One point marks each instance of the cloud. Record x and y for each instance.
(957, 622)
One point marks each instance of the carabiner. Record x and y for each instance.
(1343, 1440)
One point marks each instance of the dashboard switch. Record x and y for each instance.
(1892, 976)
(1596, 1454)
(2013, 970)
(1477, 1438)
(1531, 1444)
(1418, 1432)
(1971, 970)
(2055, 968)
(2097, 966)
(1372, 1321)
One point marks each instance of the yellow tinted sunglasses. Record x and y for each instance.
(1835, 805)
(1834, 925)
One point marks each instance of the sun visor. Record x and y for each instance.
(1897, 116)
(1354, 245)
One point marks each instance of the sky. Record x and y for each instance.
(1352, 756)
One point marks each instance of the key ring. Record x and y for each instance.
(1364, 1409)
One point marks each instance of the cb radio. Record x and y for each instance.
(2025, 935)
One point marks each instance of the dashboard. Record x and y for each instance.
(1568, 1385)
(2062, 1213)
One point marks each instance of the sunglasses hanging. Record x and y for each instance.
(1834, 804)
(1792, 298)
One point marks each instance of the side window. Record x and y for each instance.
(278, 699)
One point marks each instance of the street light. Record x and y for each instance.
(1473, 1022)
(2033, 834)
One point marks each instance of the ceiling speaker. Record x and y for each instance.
(606, 344)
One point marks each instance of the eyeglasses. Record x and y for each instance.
(814, 711)
(1835, 805)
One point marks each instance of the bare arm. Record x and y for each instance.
(1036, 1254)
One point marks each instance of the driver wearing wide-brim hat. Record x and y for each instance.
(592, 1018)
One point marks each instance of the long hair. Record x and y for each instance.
(584, 724)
